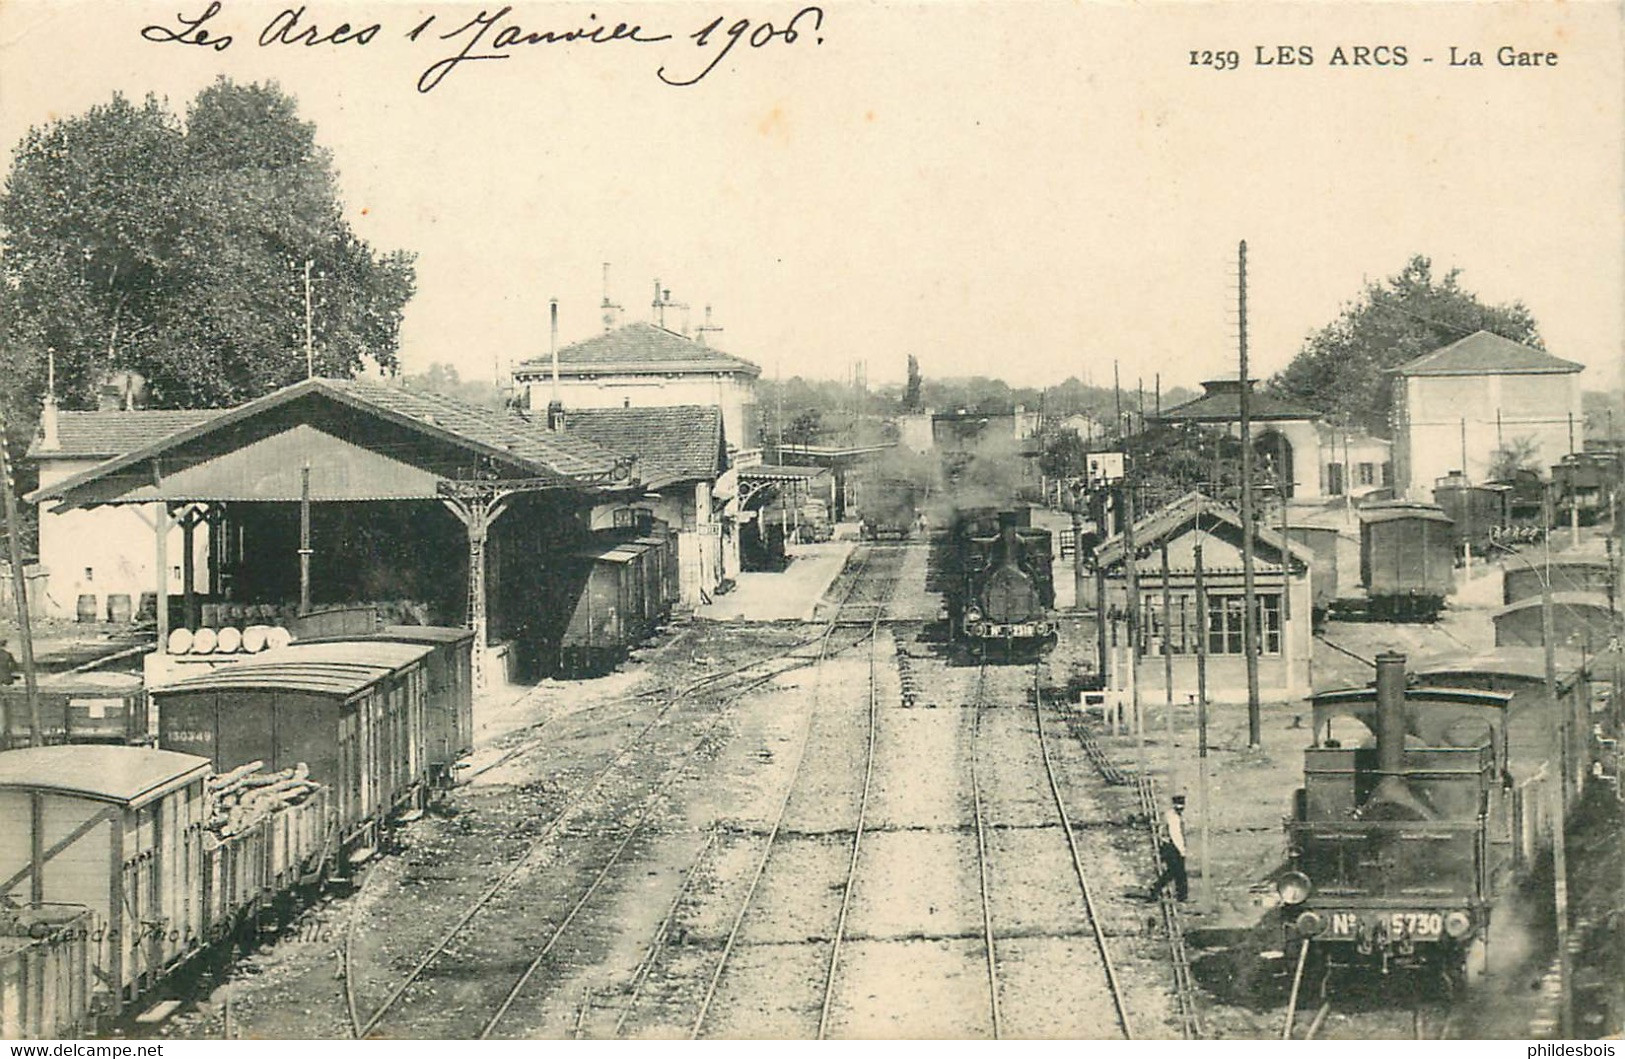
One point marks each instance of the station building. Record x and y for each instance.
(644, 365)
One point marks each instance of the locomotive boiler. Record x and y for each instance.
(1000, 590)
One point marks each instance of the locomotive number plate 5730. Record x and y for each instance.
(1423, 926)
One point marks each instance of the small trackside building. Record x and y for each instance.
(1284, 595)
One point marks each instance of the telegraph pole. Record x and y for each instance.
(1201, 717)
(1168, 666)
(1249, 590)
(1560, 863)
(1131, 575)
(310, 343)
(1117, 398)
(19, 595)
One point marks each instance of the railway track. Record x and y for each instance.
(1113, 984)
(871, 602)
(983, 888)
(728, 686)
(743, 681)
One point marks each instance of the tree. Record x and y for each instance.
(1516, 454)
(911, 391)
(1341, 371)
(805, 428)
(177, 250)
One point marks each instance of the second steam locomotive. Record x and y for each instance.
(999, 587)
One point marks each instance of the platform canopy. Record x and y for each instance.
(361, 441)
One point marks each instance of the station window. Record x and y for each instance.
(1224, 624)
(1180, 637)
(1368, 474)
(1334, 479)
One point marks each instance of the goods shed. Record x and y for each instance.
(342, 491)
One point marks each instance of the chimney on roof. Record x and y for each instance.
(706, 328)
(553, 345)
(610, 310)
(51, 440)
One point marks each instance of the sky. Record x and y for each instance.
(1029, 190)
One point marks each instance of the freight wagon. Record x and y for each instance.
(45, 973)
(449, 698)
(116, 831)
(616, 593)
(1579, 619)
(1568, 574)
(354, 711)
(1406, 560)
(1481, 512)
(114, 864)
(88, 708)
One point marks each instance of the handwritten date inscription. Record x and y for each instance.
(500, 34)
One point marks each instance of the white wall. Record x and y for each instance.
(734, 394)
(107, 550)
(1439, 409)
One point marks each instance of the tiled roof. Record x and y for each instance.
(523, 435)
(683, 443)
(1168, 521)
(637, 348)
(1483, 353)
(1222, 404)
(85, 434)
(521, 441)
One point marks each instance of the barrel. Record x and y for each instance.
(118, 607)
(229, 639)
(180, 641)
(87, 607)
(204, 641)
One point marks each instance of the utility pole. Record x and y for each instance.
(1168, 667)
(1117, 399)
(1560, 863)
(19, 595)
(304, 539)
(310, 341)
(1131, 574)
(1201, 718)
(1249, 589)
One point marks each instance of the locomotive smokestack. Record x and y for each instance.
(1391, 714)
(1008, 521)
(1392, 798)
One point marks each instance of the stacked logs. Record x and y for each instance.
(247, 794)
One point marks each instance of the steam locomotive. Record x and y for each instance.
(998, 585)
(1397, 851)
